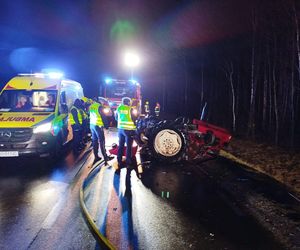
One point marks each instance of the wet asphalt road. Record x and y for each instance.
(170, 207)
(39, 204)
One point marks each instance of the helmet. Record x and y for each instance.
(147, 102)
(126, 101)
(102, 100)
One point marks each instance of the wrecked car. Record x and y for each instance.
(177, 140)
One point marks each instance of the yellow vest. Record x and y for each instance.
(83, 114)
(71, 118)
(124, 118)
(95, 117)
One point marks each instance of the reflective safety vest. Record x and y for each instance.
(83, 114)
(95, 117)
(79, 115)
(124, 118)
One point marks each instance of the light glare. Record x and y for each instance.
(42, 128)
(55, 75)
(107, 80)
(131, 59)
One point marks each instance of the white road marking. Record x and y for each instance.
(55, 211)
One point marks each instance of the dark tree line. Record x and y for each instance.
(251, 83)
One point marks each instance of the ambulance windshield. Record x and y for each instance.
(28, 101)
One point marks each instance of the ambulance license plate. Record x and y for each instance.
(9, 153)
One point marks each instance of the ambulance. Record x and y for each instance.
(34, 114)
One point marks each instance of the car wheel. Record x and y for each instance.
(167, 144)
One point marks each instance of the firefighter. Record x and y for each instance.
(126, 130)
(157, 109)
(75, 120)
(97, 130)
(147, 108)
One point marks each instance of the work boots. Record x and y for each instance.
(108, 158)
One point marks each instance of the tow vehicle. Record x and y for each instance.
(34, 114)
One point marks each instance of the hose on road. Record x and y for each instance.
(101, 239)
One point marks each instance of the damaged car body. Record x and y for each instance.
(176, 140)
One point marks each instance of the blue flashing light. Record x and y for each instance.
(108, 80)
(55, 75)
(133, 81)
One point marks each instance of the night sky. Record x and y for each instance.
(86, 39)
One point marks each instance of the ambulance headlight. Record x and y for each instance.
(106, 110)
(42, 128)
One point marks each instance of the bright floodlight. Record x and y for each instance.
(55, 75)
(131, 59)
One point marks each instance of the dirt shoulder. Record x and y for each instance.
(282, 165)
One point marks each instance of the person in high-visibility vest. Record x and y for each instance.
(157, 109)
(147, 108)
(75, 120)
(85, 121)
(97, 130)
(126, 130)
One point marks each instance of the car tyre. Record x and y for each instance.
(167, 144)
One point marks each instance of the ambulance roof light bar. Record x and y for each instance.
(53, 75)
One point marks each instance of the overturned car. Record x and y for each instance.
(173, 141)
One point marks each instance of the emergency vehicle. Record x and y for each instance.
(114, 90)
(34, 114)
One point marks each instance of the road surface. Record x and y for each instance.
(169, 207)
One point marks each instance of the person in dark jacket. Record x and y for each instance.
(75, 119)
(97, 130)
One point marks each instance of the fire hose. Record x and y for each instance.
(100, 238)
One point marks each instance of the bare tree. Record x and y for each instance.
(251, 122)
(228, 70)
(275, 91)
(202, 85)
(265, 98)
(292, 94)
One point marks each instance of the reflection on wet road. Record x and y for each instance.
(35, 195)
(169, 208)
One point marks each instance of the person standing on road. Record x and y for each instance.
(147, 108)
(97, 130)
(75, 120)
(85, 121)
(126, 130)
(157, 109)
